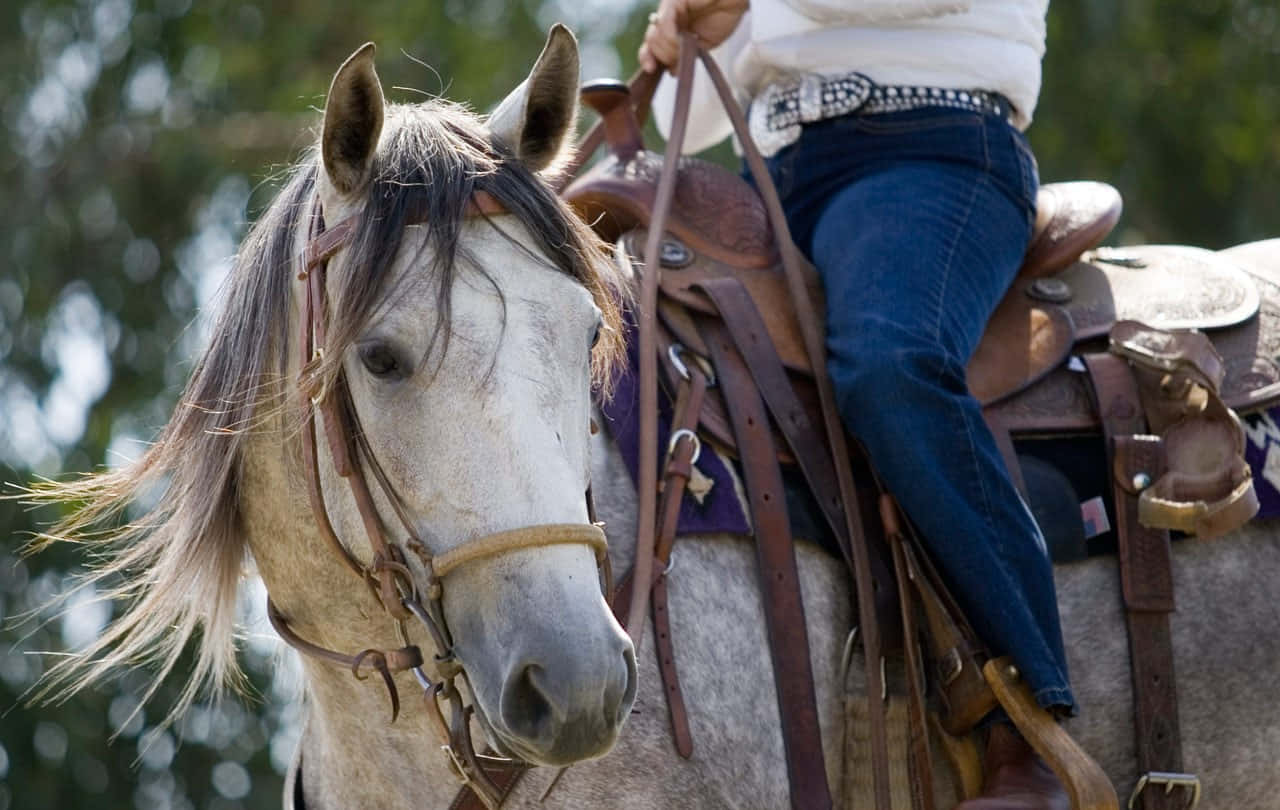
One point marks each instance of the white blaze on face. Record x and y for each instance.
(490, 434)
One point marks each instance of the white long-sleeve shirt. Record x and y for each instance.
(993, 45)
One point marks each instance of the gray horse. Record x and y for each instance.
(466, 345)
(1226, 637)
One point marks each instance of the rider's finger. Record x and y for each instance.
(665, 49)
(646, 59)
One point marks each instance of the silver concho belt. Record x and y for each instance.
(779, 111)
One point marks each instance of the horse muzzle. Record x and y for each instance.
(566, 708)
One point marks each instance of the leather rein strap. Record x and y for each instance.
(485, 779)
(647, 474)
(802, 739)
(811, 322)
(778, 574)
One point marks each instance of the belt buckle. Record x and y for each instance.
(769, 140)
(1169, 781)
(780, 110)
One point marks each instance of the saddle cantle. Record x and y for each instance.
(1061, 402)
(1070, 219)
(1041, 320)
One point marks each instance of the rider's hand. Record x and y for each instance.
(711, 20)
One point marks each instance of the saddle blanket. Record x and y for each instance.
(713, 505)
(1262, 451)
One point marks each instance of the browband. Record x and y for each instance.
(328, 242)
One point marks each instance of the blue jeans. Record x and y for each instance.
(917, 222)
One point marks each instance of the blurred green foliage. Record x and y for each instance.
(140, 136)
(1177, 105)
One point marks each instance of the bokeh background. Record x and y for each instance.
(139, 137)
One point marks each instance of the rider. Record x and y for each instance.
(893, 131)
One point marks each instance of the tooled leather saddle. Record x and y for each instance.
(1066, 299)
(1175, 340)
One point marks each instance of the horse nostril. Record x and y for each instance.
(618, 701)
(525, 705)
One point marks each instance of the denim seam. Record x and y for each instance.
(945, 279)
(987, 508)
(937, 338)
(1026, 184)
(986, 151)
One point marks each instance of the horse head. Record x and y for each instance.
(466, 369)
(399, 385)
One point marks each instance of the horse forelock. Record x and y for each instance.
(432, 158)
(178, 565)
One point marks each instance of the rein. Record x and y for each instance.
(805, 766)
(387, 574)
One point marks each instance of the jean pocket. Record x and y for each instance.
(922, 121)
(934, 134)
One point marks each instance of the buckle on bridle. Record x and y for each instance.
(1169, 781)
(676, 353)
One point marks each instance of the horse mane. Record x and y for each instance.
(177, 565)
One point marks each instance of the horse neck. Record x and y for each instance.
(322, 600)
(615, 498)
(352, 755)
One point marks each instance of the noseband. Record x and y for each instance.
(388, 575)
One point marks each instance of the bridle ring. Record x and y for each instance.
(683, 433)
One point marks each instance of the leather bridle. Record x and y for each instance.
(387, 574)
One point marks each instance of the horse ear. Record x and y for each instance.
(352, 122)
(538, 114)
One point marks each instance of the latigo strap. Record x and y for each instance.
(1146, 575)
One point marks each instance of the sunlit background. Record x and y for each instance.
(139, 139)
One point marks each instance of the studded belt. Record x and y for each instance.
(779, 111)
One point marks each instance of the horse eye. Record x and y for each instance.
(380, 361)
(595, 336)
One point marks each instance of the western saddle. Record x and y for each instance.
(1155, 347)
